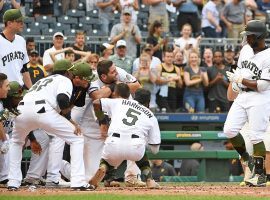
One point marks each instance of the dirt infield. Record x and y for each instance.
(194, 189)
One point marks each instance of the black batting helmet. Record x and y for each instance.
(256, 27)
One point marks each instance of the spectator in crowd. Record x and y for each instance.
(70, 54)
(161, 168)
(210, 19)
(79, 44)
(133, 6)
(42, 7)
(145, 74)
(186, 43)
(263, 7)
(158, 12)
(190, 167)
(6, 5)
(36, 70)
(120, 58)
(235, 164)
(233, 15)
(195, 80)
(106, 13)
(127, 31)
(188, 13)
(69, 4)
(229, 55)
(30, 46)
(169, 79)
(207, 60)
(58, 42)
(155, 38)
(218, 84)
(106, 50)
(155, 62)
(90, 4)
(93, 61)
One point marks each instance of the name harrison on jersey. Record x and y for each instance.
(137, 107)
(12, 56)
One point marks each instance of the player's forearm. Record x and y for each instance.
(27, 80)
(252, 84)
(134, 86)
(101, 93)
(3, 136)
(98, 110)
(1, 4)
(48, 67)
(231, 95)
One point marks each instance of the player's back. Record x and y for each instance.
(129, 117)
(48, 88)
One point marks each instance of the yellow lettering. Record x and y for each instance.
(36, 73)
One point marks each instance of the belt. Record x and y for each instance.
(118, 135)
(36, 102)
(247, 90)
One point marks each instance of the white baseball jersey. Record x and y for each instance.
(48, 88)
(47, 60)
(129, 117)
(13, 56)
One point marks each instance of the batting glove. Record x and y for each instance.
(4, 147)
(233, 77)
(236, 88)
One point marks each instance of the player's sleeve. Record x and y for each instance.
(154, 137)
(93, 86)
(265, 75)
(125, 77)
(65, 87)
(107, 104)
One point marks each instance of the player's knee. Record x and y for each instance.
(229, 131)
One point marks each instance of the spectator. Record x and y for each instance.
(169, 79)
(263, 7)
(79, 44)
(155, 38)
(195, 79)
(70, 54)
(218, 84)
(210, 19)
(36, 70)
(133, 6)
(188, 13)
(58, 42)
(120, 58)
(93, 61)
(207, 58)
(90, 4)
(30, 46)
(42, 7)
(145, 74)
(158, 12)
(155, 62)
(190, 167)
(186, 43)
(127, 31)
(6, 5)
(106, 51)
(229, 54)
(161, 168)
(233, 16)
(69, 4)
(236, 168)
(106, 13)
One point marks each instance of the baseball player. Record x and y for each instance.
(13, 53)
(132, 127)
(252, 80)
(47, 106)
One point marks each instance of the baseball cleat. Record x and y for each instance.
(135, 183)
(12, 188)
(152, 184)
(4, 181)
(259, 180)
(112, 183)
(87, 187)
(97, 178)
(59, 184)
(33, 181)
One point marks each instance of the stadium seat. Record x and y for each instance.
(46, 19)
(29, 20)
(84, 27)
(30, 32)
(85, 20)
(37, 25)
(67, 20)
(47, 32)
(60, 26)
(81, 6)
(92, 13)
(144, 8)
(69, 32)
(75, 13)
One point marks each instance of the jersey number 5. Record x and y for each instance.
(131, 117)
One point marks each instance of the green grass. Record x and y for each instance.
(125, 197)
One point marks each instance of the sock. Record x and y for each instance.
(259, 149)
(267, 177)
(238, 143)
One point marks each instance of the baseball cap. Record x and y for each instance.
(256, 27)
(34, 52)
(126, 11)
(58, 34)
(121, 43)
(62, 65)
(147, 47)
(13, 14)
(83, 70)
(229, 47)
(106, 46)
(15, 90)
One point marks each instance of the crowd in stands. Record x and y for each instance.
(182, 76)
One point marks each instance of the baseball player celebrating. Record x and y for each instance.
(130, 131)
(13, 53)
(252, 80)
(41, 108)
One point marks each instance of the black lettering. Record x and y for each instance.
(11, 57)
(4, 59)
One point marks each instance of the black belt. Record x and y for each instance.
(118, 135)
(36, 102)
(247, 90)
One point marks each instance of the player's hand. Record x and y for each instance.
(77, 130)
(35, 147)
(4, 147)
(233, 77)
(104, 131)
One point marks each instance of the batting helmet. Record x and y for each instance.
(256, 27)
